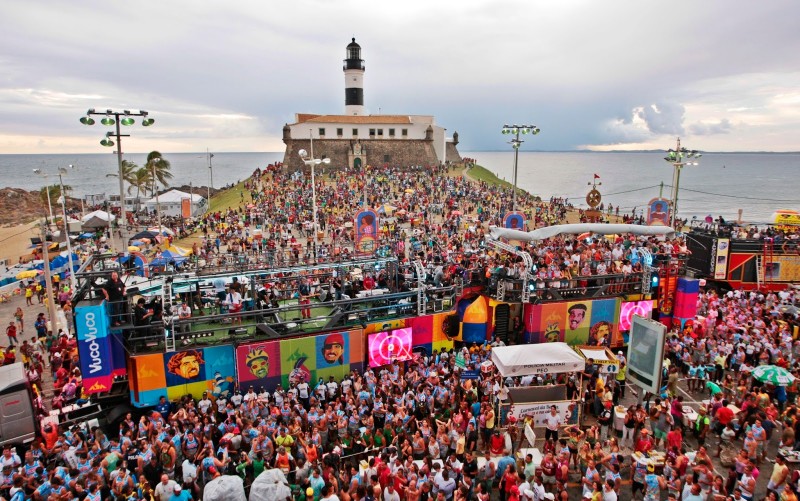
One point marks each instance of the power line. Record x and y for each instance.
(736, 196)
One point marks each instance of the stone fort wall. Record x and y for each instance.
(376, 151)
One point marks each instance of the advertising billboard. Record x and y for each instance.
(646, 353)
(94, 346)
(589, 322)
(630, 308)
(384, 348)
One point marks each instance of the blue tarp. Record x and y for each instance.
(166, 258)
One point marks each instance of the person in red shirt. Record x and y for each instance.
(645, 443)
(723, 416)
(497, 443)
(674, 438)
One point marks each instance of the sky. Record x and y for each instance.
(226, 76)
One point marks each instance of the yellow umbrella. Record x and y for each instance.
(27, 274)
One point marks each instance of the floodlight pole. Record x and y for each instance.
(678, 159)
(118, 135)
(516, 142)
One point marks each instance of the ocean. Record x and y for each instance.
(722, 183)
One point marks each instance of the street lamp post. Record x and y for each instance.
(209, 156)
(155, 188)
(516, 142)
(61, 172)
(127, 120)
(678, 158)
(312, 162)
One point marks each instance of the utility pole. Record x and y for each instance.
(51, 300)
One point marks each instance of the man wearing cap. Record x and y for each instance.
(653, 484)
(178, 494)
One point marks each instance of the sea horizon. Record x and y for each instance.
(720, 185)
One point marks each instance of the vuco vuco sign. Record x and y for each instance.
(94, 346)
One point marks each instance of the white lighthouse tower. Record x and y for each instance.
(353, 80)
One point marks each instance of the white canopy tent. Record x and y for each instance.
(542, 358)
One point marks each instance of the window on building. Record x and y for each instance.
(380, 132)
(391, 132)
(339, 132)
(321, 131)
(372, 132)
(387, 158)
(405, 132)
(355, 132)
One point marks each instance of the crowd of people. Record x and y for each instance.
(416, 431)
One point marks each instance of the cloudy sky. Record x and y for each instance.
(627, 74)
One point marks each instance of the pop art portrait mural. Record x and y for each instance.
(187, 372)
(575, 323)
(274, 363)
(258, 365)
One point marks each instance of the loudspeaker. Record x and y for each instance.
(264, 330)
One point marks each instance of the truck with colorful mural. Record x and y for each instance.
(213, 333)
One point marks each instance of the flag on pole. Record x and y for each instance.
(596, 176)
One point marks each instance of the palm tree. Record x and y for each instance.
(141, 178)
(158, 165)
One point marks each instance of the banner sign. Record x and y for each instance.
(94, 348)
(721, 260)
(514, 221)
(470, 374)
(366, 231)
(658, 212)
(568, 410)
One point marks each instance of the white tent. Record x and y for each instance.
(100, 214)
(542, 358)
(170, 203)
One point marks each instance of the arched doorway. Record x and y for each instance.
(357, 163)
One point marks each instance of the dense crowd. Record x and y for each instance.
(416, 431)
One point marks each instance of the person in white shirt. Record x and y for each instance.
(204, 404)
(184, 313)
(552, 422)
(250, 395)
(332, 386)
(165, 488)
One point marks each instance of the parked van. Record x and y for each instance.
(18, 424)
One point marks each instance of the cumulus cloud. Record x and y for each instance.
(710, 128)
(663, 117)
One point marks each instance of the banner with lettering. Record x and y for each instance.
(94, 348)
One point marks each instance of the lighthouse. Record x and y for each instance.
(353, 80)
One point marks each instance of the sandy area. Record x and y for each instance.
(15, 240)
